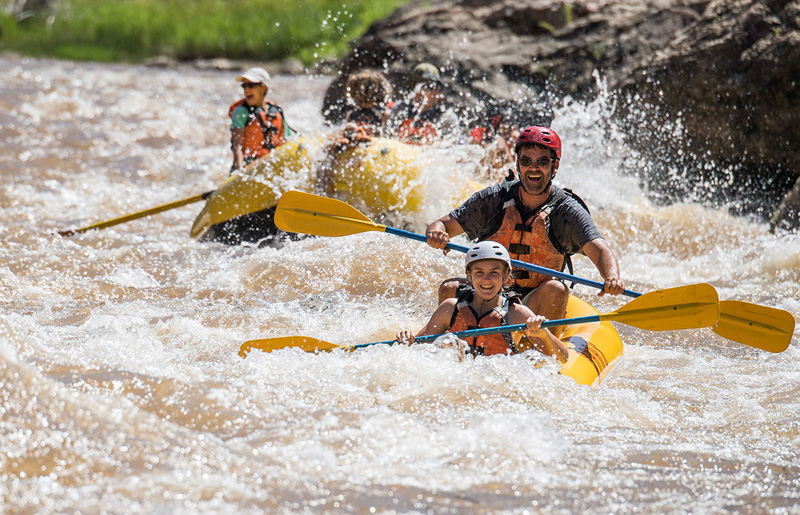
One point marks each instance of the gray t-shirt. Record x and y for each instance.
(570, 228)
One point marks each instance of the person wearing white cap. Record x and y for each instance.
(257, 125)
(485, 304)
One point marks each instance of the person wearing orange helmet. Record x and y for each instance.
(536, 221)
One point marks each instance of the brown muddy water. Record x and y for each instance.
(121, 389)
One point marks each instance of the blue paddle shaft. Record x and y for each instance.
(490, 330)
(516, 263)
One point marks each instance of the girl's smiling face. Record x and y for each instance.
(488, 277)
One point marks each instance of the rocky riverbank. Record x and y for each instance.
(707, 91)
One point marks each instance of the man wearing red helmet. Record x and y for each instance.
(536, 221)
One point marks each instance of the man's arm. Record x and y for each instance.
(239, 119)
(603, 258)
(449, 124)
(440, 232)
(479, 217)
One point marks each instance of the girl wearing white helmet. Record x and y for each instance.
(485, 304)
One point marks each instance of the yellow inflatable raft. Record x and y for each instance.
(379, 178)
(595, 348)
(384, 177)
(241, 209)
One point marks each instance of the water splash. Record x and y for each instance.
(122, 388)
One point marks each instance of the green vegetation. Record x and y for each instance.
(131, 30)
(547, 26)
(569, 17)
(598, 50)
(569, 14)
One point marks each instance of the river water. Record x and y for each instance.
(122, 390)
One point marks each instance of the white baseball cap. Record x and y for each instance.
(257, 75)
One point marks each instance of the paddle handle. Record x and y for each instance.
(140, 214)
(516, 263)
(490, 330)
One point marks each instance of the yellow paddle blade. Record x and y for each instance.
(300, 342)
(140, 214)
(321, 216)
(684, 307)
(759, 326)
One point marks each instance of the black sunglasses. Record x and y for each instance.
(251, 84)
(542, 162)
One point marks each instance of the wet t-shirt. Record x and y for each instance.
(570, 228)
(240, 117)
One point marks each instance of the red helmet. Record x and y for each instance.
(541, 135)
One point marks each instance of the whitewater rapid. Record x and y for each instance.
(122, 390)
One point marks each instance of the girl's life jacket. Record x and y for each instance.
(465, 318)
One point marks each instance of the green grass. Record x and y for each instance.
(132, 30)
(569, 17)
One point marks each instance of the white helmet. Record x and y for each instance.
(487, 250)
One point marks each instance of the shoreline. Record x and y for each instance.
(290, 66)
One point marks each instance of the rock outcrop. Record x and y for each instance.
(708, 90)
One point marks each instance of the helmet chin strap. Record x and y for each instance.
(550, 182)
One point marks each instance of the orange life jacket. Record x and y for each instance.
(487, 132)
(480, 134)
(465, 318)
(361, 125)
(367, 120)
(370, 118)
(264, 131)
(528, 241)
(417, 132)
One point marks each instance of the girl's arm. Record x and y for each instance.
(438, 324)
(541, 339)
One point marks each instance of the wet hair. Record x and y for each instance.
(507, 268)
(369, 88)
(525, 145)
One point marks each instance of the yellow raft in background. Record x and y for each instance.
(242, 207)
(595, 348)
(379, 178)
(384, 177)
